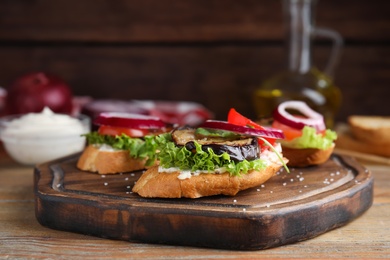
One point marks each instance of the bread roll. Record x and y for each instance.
(348, 142)
(108, 162)
(306, 157)
(155, 184)
(370, 129)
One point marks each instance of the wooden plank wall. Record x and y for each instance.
(210, 51)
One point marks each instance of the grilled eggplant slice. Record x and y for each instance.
(244, 148)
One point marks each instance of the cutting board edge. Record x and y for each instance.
(248, 220)
(252, 241)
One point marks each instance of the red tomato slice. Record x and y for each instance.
(114, 130)
(289, 132)
(237, 119)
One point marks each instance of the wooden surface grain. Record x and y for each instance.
(156, 21)
(198, 73)
(21, 236)
(185, 50)
(191, 50)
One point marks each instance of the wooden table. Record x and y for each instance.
(21, 236)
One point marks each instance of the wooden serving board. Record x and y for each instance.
(290, 207)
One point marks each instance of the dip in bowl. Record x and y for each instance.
(35, 138)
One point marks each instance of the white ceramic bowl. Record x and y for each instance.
(42, 142)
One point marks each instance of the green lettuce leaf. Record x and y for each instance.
(310, 139)
(171, 155)
(138, 148)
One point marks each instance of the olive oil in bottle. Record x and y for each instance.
(302, 81)
(313, 87)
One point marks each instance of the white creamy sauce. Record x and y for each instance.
(106, 148)
(270, 156)
(186, 174)
(40, 137)
(43, 125)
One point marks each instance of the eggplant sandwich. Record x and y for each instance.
(217, 158)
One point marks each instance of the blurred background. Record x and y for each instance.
(214, 52)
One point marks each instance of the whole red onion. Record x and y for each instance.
(33, 91)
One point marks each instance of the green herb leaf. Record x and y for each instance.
(207, 132)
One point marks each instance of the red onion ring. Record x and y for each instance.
(223, 125)
(312, 119)
(129, 120)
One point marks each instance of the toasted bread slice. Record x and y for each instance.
(370, 129)
(108, 162)
(155, 184)
(346, 141)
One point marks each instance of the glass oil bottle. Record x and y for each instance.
(301, 80)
